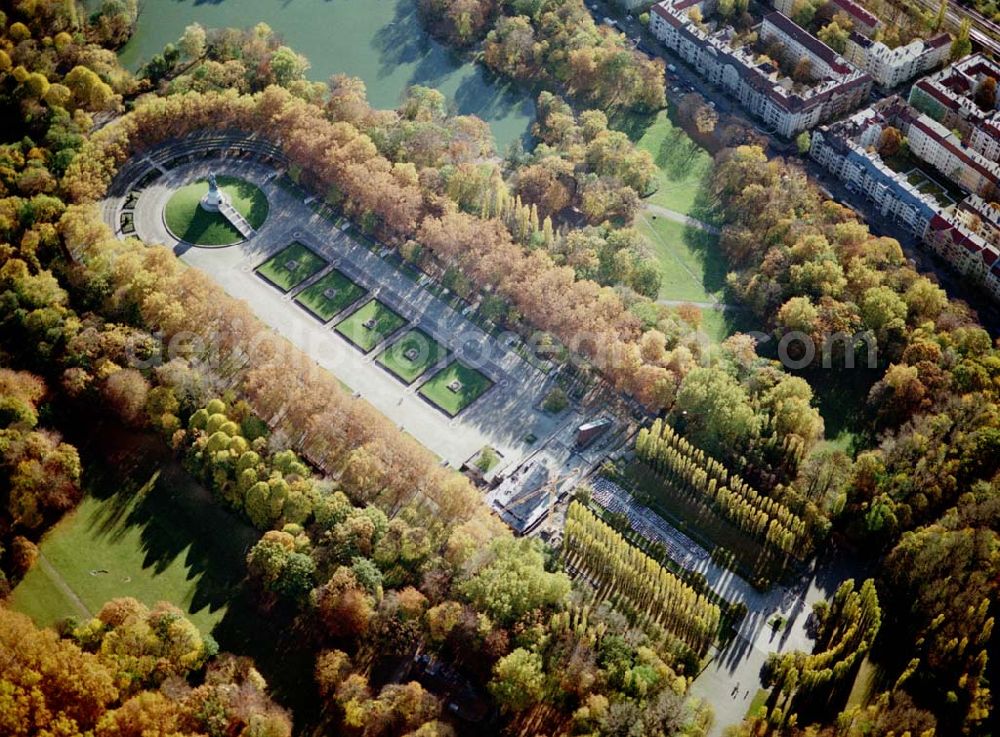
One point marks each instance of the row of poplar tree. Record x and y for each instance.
(625, 574)
(846, 630)
(690, 470)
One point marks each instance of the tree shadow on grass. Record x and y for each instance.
(677, 155)
(632, 124)
(704, 207)
(244, 190)
(841, 395)
(714, 267)
(141, 485)
(283, 649)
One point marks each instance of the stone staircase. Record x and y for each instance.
(236, 220)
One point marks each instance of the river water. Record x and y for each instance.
(380, 41)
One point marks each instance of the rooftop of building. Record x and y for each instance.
(760, 75)
(813, 45)
(987, 212)
(948, 139)
(855, 11)
(846, 136)
(915, 48)
(955, 85)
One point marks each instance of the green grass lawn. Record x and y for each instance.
(868, 676)
(692, 267)
(682, 165)
(842, 399)
(163, 541)
(189, 222)
(290, 267)
(472, 386)
(759, 700)
(328, 296)
(410, 356)
(716, 325)
(370, 324)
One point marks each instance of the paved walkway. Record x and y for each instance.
(235, 219)
(503, 417)
(722, 306)
(60, 583)
(741, 660)
(680, 217)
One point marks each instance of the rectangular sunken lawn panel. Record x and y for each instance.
(370, 324)
(291, 266)
(453, 397)
(330, 295)
(410, 356)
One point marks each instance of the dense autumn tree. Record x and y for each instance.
(518, 681)
(511, 581)
(460, 22)
(890, 141)
(50, 682)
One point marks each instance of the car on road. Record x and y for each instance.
(671, 68)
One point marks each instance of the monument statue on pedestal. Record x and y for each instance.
(214, 198)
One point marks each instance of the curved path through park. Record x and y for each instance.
(680, 217)
(60, 583)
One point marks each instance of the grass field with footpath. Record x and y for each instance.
(428, 352)
(473, 385)
(682, 165)
(191, 223)
(370, 324)
(691, 266)
(164, 540)
(291, 266)
(330, 295)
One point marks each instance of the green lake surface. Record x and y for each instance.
(381, 41)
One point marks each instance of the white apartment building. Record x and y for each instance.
(891, 67)
(940, 147)
(761, 88)
(986, 139)
(949, 97)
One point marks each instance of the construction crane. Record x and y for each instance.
(550, 488)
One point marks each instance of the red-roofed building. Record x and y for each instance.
(932, 142)
(949, 97)
(966, 251)
(761, 89)
(863, 20)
